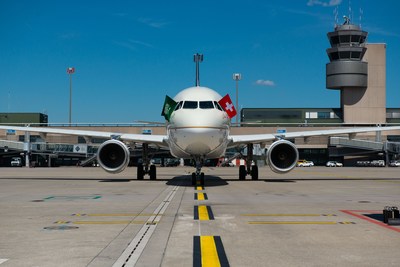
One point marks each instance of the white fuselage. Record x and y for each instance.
(199, 127)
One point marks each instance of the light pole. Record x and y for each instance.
(70, 71)
(197, 58)
(237, 77)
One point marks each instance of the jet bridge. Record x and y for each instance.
(341, 146)
(48, 151)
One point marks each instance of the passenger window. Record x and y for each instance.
(190, 105)
(206, 105)
(179, 106)
(217, 105)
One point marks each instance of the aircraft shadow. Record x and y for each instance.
(186, 180)
(377, 217)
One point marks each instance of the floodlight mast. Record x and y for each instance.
(197, 58)
(70, 71)
(237, 77)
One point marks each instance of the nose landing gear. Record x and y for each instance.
(198, 176)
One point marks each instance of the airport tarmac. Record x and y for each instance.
(309, 217)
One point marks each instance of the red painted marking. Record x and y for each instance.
(363, 217)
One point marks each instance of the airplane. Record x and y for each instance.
(198, 122)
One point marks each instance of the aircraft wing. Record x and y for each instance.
(260, 138)
(158, 140)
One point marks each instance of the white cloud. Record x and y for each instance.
(141, 43)
(152, 23)
(324, 3)
(120, 14)
(68, 35)
(133, 44)
(267, 83)
(380, 31)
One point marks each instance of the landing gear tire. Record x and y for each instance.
(202, 178)
(140, 172)
(153, 172)
(254, 172)
(242, 172)
(193, 178)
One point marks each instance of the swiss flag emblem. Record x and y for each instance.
(226, 104)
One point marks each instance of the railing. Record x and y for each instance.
(393, 147)
(47, 147)
(355, 143)
(12, 144)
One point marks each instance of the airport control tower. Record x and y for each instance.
(359, 71)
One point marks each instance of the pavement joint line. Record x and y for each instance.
(289, 222)
(299, 222)
(288, 215)
(113, 214)
(112, 222)
(131, 254)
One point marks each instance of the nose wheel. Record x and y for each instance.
(198, 176)
(198, 179)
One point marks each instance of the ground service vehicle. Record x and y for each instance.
(334, 164)
(16, 162)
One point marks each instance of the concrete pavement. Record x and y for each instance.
(86, 217)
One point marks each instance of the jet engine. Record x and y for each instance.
(113, 156)
(282, 156)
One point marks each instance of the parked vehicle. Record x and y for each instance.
(156, 162)
(172, 162)
(227, 164)
(300, 162)
(305, 163)
(363, 163)
(394, 163)
(16, 162)
(334, 164)
(378, 163)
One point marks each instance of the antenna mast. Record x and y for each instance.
(197, 58)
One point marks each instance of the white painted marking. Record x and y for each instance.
(135, 248)
(3, 260)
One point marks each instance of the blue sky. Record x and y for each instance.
(129, 54)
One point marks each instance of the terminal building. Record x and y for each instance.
(355, 67)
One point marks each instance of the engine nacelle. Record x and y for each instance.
(113, 156)
(282, 156)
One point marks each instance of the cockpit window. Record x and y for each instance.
(217, 105)
(190, 105)
(179, 106)
(206, 104)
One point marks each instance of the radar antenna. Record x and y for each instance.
(346, 20)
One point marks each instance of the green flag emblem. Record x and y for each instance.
(169, 106)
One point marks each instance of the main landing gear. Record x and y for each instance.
(248, 168)
(198, 176)
(145, 167)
